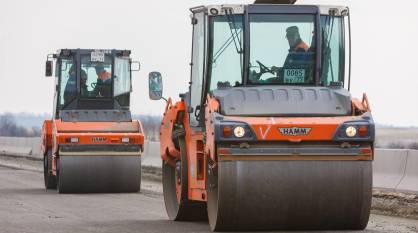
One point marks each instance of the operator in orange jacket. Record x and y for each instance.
(297, 48)
(104, 82)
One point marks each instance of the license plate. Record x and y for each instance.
(97, 56)
(294, 75)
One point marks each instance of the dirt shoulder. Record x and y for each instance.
(395, 203)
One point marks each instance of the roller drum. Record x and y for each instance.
(290, 195)
(92, 174)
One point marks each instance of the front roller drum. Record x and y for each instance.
(289, 195)
(93, 174)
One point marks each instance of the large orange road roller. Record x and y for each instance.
(268, 136)
(92, 144)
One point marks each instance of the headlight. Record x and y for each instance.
(229, 130)
(239, 131)
(356, 130)
(125, 140)
(73, 140)
(351, 131)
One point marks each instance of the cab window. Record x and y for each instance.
(280, 49)
(227, 52)
(333, 57)
(122, 78)
(96, 77)
(198, 59)
(68, 81)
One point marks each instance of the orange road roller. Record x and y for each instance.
(92, 144)
(268, 137)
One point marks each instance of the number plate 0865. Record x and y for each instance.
(294, 75)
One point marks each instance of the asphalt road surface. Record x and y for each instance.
(25, 206)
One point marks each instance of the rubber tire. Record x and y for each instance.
(49, 179)
(177, 133)
(186, 210)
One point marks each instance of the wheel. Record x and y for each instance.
(49, 179)
(175, 184)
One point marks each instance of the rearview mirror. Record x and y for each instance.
(48, 69)
(155, 85)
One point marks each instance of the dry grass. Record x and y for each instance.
(397, 138)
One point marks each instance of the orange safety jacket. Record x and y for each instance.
(301, 45)
(296, 54)
(104, 76)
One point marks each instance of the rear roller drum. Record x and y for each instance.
(175, 185)
(49, 179)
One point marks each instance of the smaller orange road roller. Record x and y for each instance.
(92, 144)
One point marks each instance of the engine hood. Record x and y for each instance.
(284, 101)
(97, 127)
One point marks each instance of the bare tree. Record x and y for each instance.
(151, 125)
(9, 128)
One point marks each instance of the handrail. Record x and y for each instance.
(168, 105)
(365, 102)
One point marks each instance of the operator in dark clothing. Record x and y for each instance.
(70, 91)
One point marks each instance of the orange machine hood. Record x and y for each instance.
(95, 127)
(295, 129)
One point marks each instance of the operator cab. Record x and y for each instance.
(88, 80)
(270, 60)
(272, 44)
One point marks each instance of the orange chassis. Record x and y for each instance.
(199, 150)
(56, 132)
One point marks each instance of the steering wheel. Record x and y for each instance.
(93, 85)
(263, 68)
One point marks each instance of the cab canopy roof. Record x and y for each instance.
(269, 6)
(118, 52)
(275, 1)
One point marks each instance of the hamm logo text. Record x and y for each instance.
(294, 131)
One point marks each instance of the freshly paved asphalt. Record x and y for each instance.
(25, 206)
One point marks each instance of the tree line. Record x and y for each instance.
(150, 125)
(9, 128)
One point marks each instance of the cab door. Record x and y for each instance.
(194, 137)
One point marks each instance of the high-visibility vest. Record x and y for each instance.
(104, 75)
(301, 45)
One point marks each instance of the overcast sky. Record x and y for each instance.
(385, 38)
